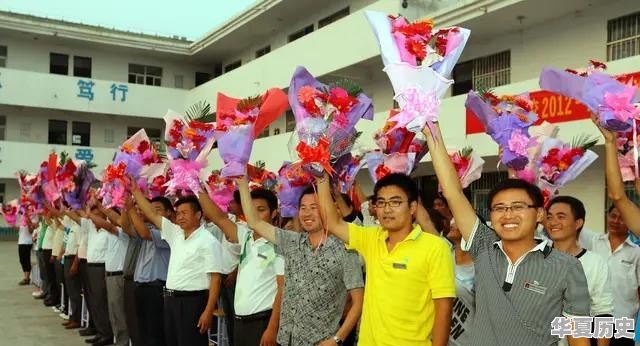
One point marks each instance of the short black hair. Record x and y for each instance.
(576, 206)
(310, 190)
(191, 200)
(441, 197)
(437, 219)
(268, 196)
(236, 197)
(611, 207)
(517, 184)
(402, 181)
(166, 203)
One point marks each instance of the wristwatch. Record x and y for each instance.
(337, 340)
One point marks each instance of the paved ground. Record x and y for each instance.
(25, 321)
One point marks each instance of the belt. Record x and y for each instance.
(253, 317)
(176, 293)
(69, 256)
(151, 283)
(113, 273)
(95, 264)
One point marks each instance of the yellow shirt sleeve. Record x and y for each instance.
(441, 271)
(361, 238)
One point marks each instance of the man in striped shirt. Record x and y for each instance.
(521, 284)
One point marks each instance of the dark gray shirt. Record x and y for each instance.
(544, 284)
(131, 257)
(315, 287)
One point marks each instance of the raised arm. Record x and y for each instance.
(615, 186)
(460, 207)
(266, 230)
(102, 223)
(139, 227)
(125, 219)
(112, 215)
(221, 219)
(145, 206)
(335, 224)
(424, 220)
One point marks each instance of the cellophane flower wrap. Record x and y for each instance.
(10, 212)
(560, 163)
(468, 165)
(418, 60)
(507, 120)
(157, 181)
(610, 100)
(188, 144)
(47, 177)
(326, 117)
(627, 152)
(292, 181)
(220, 189)
(261, 178)
(83, 179)
(380, 165)
(240, 122)
(115, 182)
(346, 168)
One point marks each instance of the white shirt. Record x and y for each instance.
(47, 243)
(259, 265)
(228, 262)
(192, 259)
(71, 247)
(116, 251)
(58, 241)
(83, 239)
(97, 241)
(597, 273)
(368, 219)
(24, 236)
(624, 271)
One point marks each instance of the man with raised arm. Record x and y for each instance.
(193, 277)
(320, 272)
(410, 287)
(522, 285)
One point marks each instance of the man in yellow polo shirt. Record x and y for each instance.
(409, 290)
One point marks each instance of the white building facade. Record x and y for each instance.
(85, 89)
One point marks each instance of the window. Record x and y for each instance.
(623, 37)
(148, 75)
(59, 63)
(290, 121)
(82, 66)
(296, 35)
(232, 66)
(155, 135)
(202, 77)
(58, 132)
(81, 133)
(217, 70)
(2, 192)
(480, 191)
(179, 81)
(334, 17)
(488, 72)
(109, 136)
(3, 127)
(3, 56)
(25, 130)
(263, 51)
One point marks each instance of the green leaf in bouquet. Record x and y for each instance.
(197, 111)
(584, 142)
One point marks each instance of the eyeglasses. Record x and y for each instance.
(394, 203)
(516, 208)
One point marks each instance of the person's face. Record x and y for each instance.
(264, 212)
(309, 214)
(160, 210)
(454, 233)
(513, 225)
(615, 224)
(186, 217)
(560, 222)
(372, 208)
(440, 206)
(235, 208)
(394, 217)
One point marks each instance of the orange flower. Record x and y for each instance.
(127, 148)
(190, 133)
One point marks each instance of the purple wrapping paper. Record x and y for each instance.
(235, 147)
(289, 197)
(133, 162)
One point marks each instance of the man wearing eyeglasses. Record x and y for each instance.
(522, 285)
(410, 282)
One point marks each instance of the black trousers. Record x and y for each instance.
(24, 254)
(60, 283)
(227, 295)
(249, 329)
(150, 312)
(130, 312)
(98, 293)
(43, 271)
(51, 288)
(83, 272)
(181, 316)
(73, 287)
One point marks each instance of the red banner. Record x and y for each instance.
(552, 107)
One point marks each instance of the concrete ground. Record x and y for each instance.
(25, 321)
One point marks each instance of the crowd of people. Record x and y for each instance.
(392, 272)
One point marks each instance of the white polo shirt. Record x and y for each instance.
(58, 241)
(192, 259)
(116, 251)
(82, 239)
(259, 265)
(24, 236)
(71, 247)
(47, 243)
(97, 241)
(624, 272)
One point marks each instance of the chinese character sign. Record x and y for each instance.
(84, 155)
(118, 91)
(86, 89)
(122, 88)
(603, 327)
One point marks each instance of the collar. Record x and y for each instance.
(627, 241)
(415, 233)
(543, 246)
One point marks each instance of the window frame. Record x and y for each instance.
(66, 132)
(52, 67)
(624, 42)
(79, 73)
(144, 76)
(334, 17)
(83, 142)
(4, 55)
(301, 33)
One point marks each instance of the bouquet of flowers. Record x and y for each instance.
(260, 177)
(188, 144)
(240, 122)
(468, 165)
(507, 120)
(346, 168)
(157, 185)
(560, 163)
(10, 212)
(139, 155)
(325, 118)
(538, 135)
(292, 181)
(220, 189)
(610, 100)
(65, 174)
(114, 185)
(627, 144)
(83, 179)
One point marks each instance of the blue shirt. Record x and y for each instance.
(153, 259)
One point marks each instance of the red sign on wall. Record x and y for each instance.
(552, 107)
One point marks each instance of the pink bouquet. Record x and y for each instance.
(292, 181)
(10, 212)
(468, 165)
(627, 144)
(220, 189)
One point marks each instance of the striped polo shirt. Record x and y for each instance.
(518, 301)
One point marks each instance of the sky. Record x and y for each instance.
(189, 18)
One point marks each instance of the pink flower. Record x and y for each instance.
(620, 104)
(519, 143)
